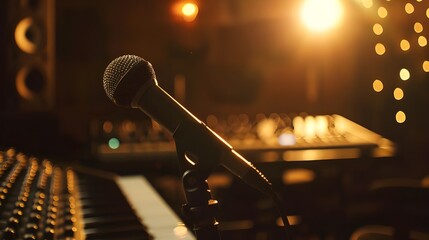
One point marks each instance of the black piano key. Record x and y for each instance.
(95, 222)
(118, 232)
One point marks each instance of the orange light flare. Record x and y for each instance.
(321, 15)
(186, 10)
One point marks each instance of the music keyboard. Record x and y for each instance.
(43, 200)
(161, 220)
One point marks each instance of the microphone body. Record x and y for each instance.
(130, 81)
(196, 136)
(139, 89)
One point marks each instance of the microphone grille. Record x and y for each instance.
(116, 70)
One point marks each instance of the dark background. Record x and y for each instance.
(237, 57)
(235, 60)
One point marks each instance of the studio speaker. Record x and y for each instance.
(28, 54)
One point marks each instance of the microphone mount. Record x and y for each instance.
(200, 208)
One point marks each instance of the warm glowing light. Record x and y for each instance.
(427, 13)
(28, 35)
(298, 126)
(367, 3)
(422, 41)
(114, 143)
(425, 66)
(404, 74)
(321, 125)
(380, 49)
(398, 94)
(298, 175)
(266, 130)
(418, 27)
(128, 126)
(287, 139)
(185, 10)
(320, 15)
(378, 29)
(382, 12)
(400, 117)
(189, 11)
(377, 85)
(220, 180)
(409, 8)
(180, 231)
(310, 126)
(107, 126)
(405, 45)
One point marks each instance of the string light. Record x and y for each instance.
(380, 49)
(418, 27)
(404, 74)
(377, 85)
(405, 45)
(425, 66)
(400, 117)
(409, 8)
(382, 12)
(422, 41)
(398, 93)
(377, 29)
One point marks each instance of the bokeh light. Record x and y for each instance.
(409, 8)
(189, 11)
(321, 15)
(404, 74)
(382, 12)
(367, 3)
(398, 93)
(400, 117)
(114, 143)
(378, 29)
(422, 41)
(380, 49)
(405, 45)
(418, 27)
(425, 66)
(377, 85)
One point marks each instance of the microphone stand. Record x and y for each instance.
(200, 208)
(198, 155)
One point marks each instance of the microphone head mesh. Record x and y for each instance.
(116, 70)
(125, 76)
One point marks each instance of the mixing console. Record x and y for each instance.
(289, 136)
(43, 199)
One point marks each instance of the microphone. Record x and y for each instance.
(130, 81)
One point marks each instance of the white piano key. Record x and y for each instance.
(162, 222)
